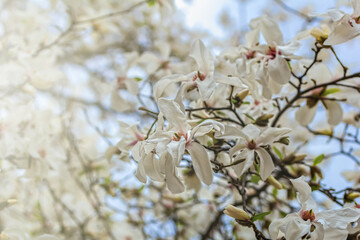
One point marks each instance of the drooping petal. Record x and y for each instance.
(201, 162)
(140, 172)
(266, 163)
(172, 179)
(176, 149)
(152, 167)
(279, 70)
(241, 167)
(334, 112)
(296, 228)
(305, 114)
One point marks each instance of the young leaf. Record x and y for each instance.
(277, 151)
(330, 91)
(259, 216)
(318, 159)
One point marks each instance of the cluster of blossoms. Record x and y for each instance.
(103, 99)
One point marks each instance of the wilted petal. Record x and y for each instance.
(266, 163)
(201, 162)
(305, 114)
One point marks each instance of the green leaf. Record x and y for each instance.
(138, 79)
(288, 62)
(255, 179)
(318, 159)
(151, 3)
(247, 115)
(274, 192)
(330, 91)
(259, 216)
(277, 151)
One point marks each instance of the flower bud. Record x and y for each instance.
(320, 34)
(242, 95)
(299, 157)
(236, 213)
(352, 196)
(275, 183)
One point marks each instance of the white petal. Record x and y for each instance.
(269, 135)
(334, 112)
(206, 126)
(201, 162)
(345, 30)
(118, 103)
(339, 218)
(302, 188)
(297, 228)
(335, 234)
(176, 149)
(266, 163)
(305, 114)
(152, 168)
(173, 114)
(140, 172)
(251, 131)
(172, 179)
(162, 85)
(245, 165)
(203, 57)
(279, 70)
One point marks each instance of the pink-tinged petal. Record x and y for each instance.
(266, 163)
(172, 179)
(203, 57)
(334, 112)
(242, 167)
(345, 30)
(305, 114)
(173, 114)
(201, 162)
(279, 70)
(303, 189)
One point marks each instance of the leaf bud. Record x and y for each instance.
(236, 213)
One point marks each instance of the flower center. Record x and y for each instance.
(251, 144)
(308, 214)
(177, 136)
(199, 75)
(272, 52)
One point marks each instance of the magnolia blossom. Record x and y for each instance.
(328, 224)
(202, 78)
(170, 144)
(346, 27)
(253, 140)
(321, 74)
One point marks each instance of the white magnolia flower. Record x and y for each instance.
(252, 140)
(203, 78)
(329, 224)
(307, 112)
(170, 145)
(346, 27)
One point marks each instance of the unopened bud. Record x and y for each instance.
(236, 213)
(173, 198)
(242, 95)
(275, 183)
(327, 132)
(320, 34)
(263, 120)
(352, 196)
(299, 157)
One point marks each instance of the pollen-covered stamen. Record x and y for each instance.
(251, 54)
(199, 75)
(177, 136)
(251, 144)
(272, 52)
(308, 215)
